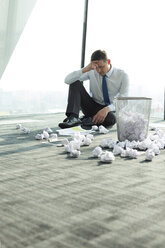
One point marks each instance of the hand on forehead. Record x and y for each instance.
(95, 62)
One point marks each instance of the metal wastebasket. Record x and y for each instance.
(132, 114)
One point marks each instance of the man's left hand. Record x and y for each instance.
(100, 116)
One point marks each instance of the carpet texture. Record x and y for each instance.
(49, 200)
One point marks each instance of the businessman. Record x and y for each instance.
(106, 83)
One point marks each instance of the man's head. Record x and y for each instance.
(101, 61)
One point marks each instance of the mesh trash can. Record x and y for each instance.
(132, 114)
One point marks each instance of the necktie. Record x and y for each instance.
(105, 91)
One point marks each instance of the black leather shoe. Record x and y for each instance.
(88, 121)
(83, 117)
(70, 122)
(65, 119)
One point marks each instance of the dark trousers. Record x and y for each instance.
(79, 99)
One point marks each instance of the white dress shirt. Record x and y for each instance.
(117, 84)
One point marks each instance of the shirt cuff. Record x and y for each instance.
(111, 107)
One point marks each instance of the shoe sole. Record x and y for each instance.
(65, 125)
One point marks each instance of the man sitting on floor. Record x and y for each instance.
(106, 83)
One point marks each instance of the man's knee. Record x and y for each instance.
(77, 84)
(110, 119)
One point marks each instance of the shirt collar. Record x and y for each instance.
(108, 74)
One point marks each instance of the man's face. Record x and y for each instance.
(102, 67)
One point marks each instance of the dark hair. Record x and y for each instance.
(98, 55)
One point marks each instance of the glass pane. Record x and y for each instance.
(132, 34)
(49, 48)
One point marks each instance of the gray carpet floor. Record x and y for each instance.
(49, 200)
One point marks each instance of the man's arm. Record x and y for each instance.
(91, 66)
(74, 76)
(101, 115)
(82, 74)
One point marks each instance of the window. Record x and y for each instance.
(48, 49)
(132, 34)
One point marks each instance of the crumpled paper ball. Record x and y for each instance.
(65, 141)
(107, 157)
(121, 144)
(78, 136)
(25, 130)
(108, 143)
(111, 143)
(95, 128)
(18, 126)
(150, 154)
(103, 130)
(155, 148)
(104, 143)
(160, 133)
(73, 148)
(53, 137)
(90, 136)
(160, 143)
(131, 144)
(39, 136)
(82, 139)
(46, 135)
(145, 144)
(75, 144)
(117, 150)
(152, 146)
(87, 141)
(133, 126)
(75, 153)
(48, 130)
(153, 137)
(159, 138)
(97, 152)
(69, 147)
(131, 153)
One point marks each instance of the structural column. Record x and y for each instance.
(84, 33)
